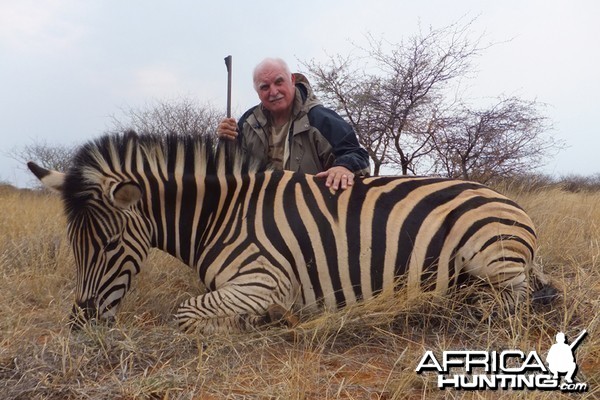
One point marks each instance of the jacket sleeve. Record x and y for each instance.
(241, 122)
(342, 138)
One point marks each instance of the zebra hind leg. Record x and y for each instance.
(506, 276)
(521, 290)
(532, 285)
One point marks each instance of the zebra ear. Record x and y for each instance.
(125, 194)
(53, 180)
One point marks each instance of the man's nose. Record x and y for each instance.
(273, 92)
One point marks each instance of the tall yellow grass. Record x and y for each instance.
(367, 352)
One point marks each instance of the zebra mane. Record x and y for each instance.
(125, 155)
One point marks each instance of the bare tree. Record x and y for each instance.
(173, 116)
(506, 139)
(52, 156)
(392, 93)
(339, 85)
(183, 115)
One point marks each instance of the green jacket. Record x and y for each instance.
(318, 137)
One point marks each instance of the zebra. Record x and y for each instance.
(263, 240)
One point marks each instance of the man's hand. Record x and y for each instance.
(227, 129)
(337, 177)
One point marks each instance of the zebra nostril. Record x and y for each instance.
(87, 312)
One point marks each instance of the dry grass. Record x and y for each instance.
(367, 352)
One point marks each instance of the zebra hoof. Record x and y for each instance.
(277, 314)
(545, 296)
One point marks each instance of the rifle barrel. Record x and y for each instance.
(228, 65)
(578, 339)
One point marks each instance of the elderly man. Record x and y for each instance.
(291, 130)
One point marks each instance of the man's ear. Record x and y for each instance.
(125, 194)
(53, 180)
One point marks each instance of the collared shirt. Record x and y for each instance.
(278, 144)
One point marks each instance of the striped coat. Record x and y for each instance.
(264, 239)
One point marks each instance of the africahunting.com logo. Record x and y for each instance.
(508, 369)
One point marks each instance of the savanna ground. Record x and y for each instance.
(367, 352)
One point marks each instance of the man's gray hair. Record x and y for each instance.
(270, 61)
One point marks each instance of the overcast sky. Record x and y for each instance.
(67, 66)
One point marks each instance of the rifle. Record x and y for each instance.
(578, 339)
(228, 65)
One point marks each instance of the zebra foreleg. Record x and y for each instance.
(231, 308)
(277, 314)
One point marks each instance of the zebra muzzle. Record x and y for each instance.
(84, 313)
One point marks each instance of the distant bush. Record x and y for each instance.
(7, 188)
(580, 183)
(534, 182)
(181, 115)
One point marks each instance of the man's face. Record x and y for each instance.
(275, 89)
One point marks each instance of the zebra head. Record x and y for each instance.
(109, 236)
